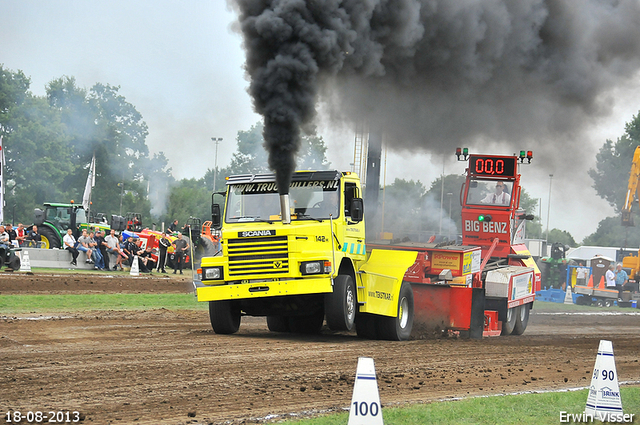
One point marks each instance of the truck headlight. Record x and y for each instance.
(312, 267)
(212, 273)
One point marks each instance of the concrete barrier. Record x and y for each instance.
(55, 258)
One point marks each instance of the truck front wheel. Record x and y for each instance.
(399, 328)
(522, 320)
(225, 317)
(340, 305)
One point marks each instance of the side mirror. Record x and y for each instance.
(357, 210)
(216, 217)
(38, 217)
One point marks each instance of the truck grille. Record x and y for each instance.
(258, 256)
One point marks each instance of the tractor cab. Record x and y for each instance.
(54, 221)
(62, 216)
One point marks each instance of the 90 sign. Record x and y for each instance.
(494, 166)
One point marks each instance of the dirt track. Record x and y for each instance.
(162, 366)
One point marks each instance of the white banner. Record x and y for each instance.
(1, 182)
(91, 181)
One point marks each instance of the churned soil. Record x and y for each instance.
(168, 367)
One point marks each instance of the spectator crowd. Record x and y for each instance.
(100, 249)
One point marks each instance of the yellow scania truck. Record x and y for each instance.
(298, 257)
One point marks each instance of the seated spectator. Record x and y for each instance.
(102, 247)
(147, 262)
(83, 245)
(12, 233)
(4, 237)
(21, 233)
(69, 242)
(113, 247)
(96, 254)
(34, 239)
(131, 249)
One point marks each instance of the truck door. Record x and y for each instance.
(354, 240)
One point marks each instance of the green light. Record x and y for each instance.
(465, 151)
(483, 217)
(523, 154)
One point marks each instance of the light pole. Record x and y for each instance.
(215, 169)
(442, 196)
(121, 195)
(450, 196)
(549, 205)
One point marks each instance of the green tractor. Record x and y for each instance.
(54, 221)
(553, 269)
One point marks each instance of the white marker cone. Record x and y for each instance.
(604, 392)
(568, 298)
(25, 263)
(365, 403)
(135, 268)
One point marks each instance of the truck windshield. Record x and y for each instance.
(489, 192)
(261, 202)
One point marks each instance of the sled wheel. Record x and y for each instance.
(399, 328)
(340, 305)
(225, 317)
(509, 325)
(522, 319)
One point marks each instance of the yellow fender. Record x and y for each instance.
(379, 280)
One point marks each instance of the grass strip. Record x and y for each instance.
(533, 409)
(15, 304)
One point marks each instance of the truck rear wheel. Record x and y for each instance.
(509, 325)
(49, 239)
(311, 324)
(367, 326)
(522, 319)
(225, 317)
(340, 305)
(399, 328)
(278, 323)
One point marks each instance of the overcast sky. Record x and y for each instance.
(181, 65)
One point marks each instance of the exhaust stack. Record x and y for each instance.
(284, 209)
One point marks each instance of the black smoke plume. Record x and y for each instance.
(437, 73)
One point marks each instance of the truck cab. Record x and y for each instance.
(296, 257)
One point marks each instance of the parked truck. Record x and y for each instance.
(302, 257)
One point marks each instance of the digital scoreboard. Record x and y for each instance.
(493, 166)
